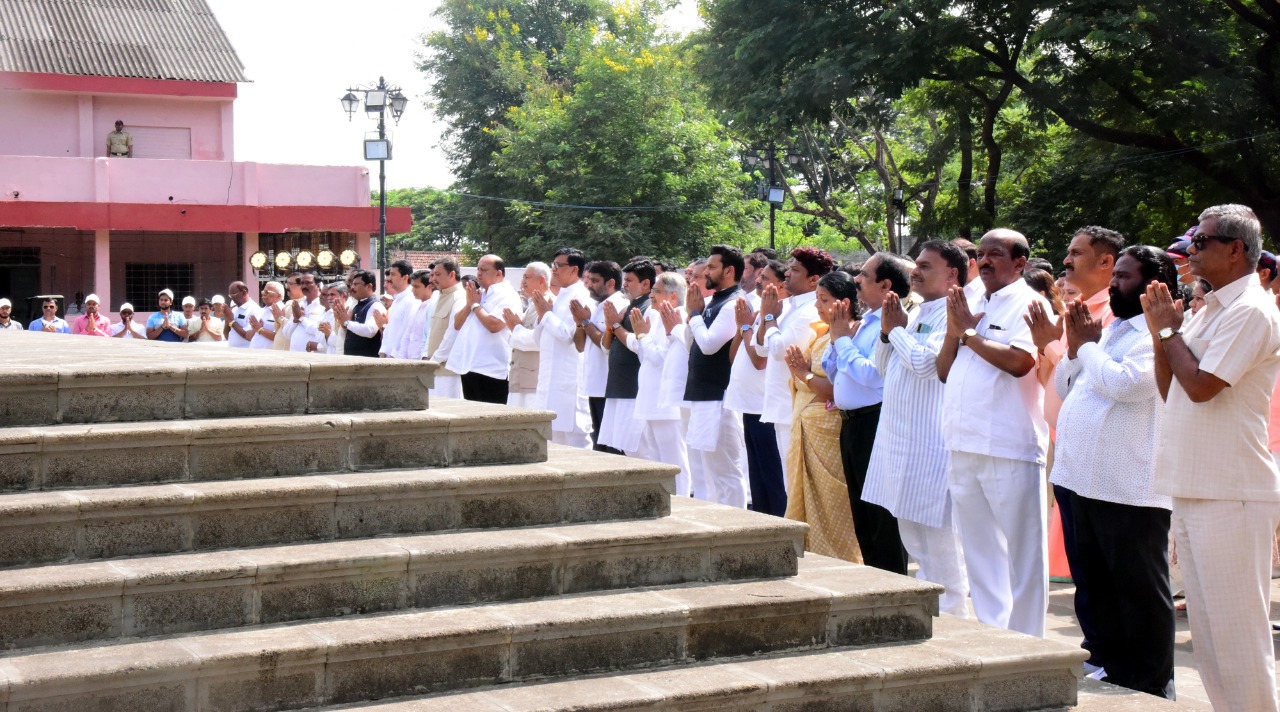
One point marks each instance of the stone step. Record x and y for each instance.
(89, 381)
(572, 486)
(965, 667)
(1094, 696)
(370, 657)
(131, 598)
(452, 432)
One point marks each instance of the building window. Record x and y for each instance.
(143, 282)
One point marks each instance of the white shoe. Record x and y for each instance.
(1098, 674)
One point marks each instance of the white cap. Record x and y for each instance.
(217, 299)
(92, 298)
(126, 307)
(188, 300)
(166, 292)
(5, 303)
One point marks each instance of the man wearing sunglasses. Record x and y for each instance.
(49, 322)
(1216, 373)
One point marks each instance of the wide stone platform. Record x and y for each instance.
(179, 531)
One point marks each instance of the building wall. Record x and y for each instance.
(66, 259)
(70, 124)
(213, 256)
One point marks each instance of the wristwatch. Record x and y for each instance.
(768, 317)
(745, 328)
(968, 334)
(1167, 333)
(809, 377)
(585, 323)
(475, 306)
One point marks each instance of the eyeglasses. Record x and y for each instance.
(1200, 240)
(48, 306)
(558, 265)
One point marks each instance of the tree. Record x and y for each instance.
(439, 220)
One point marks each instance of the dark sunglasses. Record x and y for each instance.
(1200, 240)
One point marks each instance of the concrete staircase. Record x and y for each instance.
(334, 544)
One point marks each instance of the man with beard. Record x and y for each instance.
(164, 325)
(1091, 257)
(716, 451)
(361, 322)
(993, 423)
(7, 322)
(91, 323)
(603, 282)
(1105, 462)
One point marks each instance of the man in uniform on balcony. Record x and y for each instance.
(119, 142)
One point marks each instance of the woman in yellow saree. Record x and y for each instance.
(818, 494)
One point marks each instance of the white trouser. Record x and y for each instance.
(937, 549)
(999, 509)
(782, 431)
(525, 399)
(1224, 551)
(719, 475)
(447, 386)
(573, 439)
(663, 441)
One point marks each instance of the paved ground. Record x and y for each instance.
(1191, 695)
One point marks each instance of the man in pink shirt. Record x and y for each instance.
(91, 323)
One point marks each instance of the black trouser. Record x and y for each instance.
(1123, 555)
(597, 414)
(479, 387)
(1084, 608)
(764, 466)
(875, 527)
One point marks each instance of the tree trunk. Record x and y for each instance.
(965, 182)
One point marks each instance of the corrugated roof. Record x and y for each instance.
(147, 39)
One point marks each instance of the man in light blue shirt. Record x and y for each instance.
(858, 392)
(49, 322)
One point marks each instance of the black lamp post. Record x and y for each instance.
(772, 192)
(377, 100)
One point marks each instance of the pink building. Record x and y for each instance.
(181, 213)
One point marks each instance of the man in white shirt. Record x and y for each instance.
(561, 368)
(995, 430)
(603, 280)
(1108, 431)
(245, 308)
(745, 396)
(1217, 372)
(263, 326)
(450, 300)
(395, 336)
(418, 328)
(716, 451)
(7, 322)
(330, 334)
(482, 351)
(303, 314)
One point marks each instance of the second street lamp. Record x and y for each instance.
(772, 192)
(377, 100)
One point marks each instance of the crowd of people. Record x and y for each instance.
(906, 409)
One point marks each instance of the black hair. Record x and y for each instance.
(779, 268)
(841, 286)
(422, 277)
(499, 266)
(730, 256)
(643, 269)
(574, 257)
(204, 302)
(1039, 263)
(970, 249)
(449, 265)
(607, 271)
(953, 254)
(1156, 265)
(768, 252)
(1102, 239)
(897, 270)
(365, 276)
(404, 267)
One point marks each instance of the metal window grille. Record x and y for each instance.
(143, 282)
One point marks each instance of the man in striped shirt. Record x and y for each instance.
(908, 470)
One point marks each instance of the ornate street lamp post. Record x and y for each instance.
(771, 191)
(377, 100)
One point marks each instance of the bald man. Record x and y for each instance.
(995, 431)
(481, 353)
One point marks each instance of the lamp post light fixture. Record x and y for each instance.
(775, 194)
(377, 101)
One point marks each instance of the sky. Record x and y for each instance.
(301, 56)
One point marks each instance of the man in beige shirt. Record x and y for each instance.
(1216, 374)
(444, 277)
(119, 142)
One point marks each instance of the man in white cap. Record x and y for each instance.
(218, 306)
(127, 328)
(164, 325)
(49, 322)
(7, 322)
(91, 323)
(188, 308)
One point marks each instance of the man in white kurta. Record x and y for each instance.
(303, 314)
(994, 428)
(561, 371)
(526, 351)
(395, 335)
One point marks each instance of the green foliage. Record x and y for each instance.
(439, 220)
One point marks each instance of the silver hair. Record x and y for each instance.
(539, 268)
(339, 285)
(1240, 222)
(673, 282)
(276, 287)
